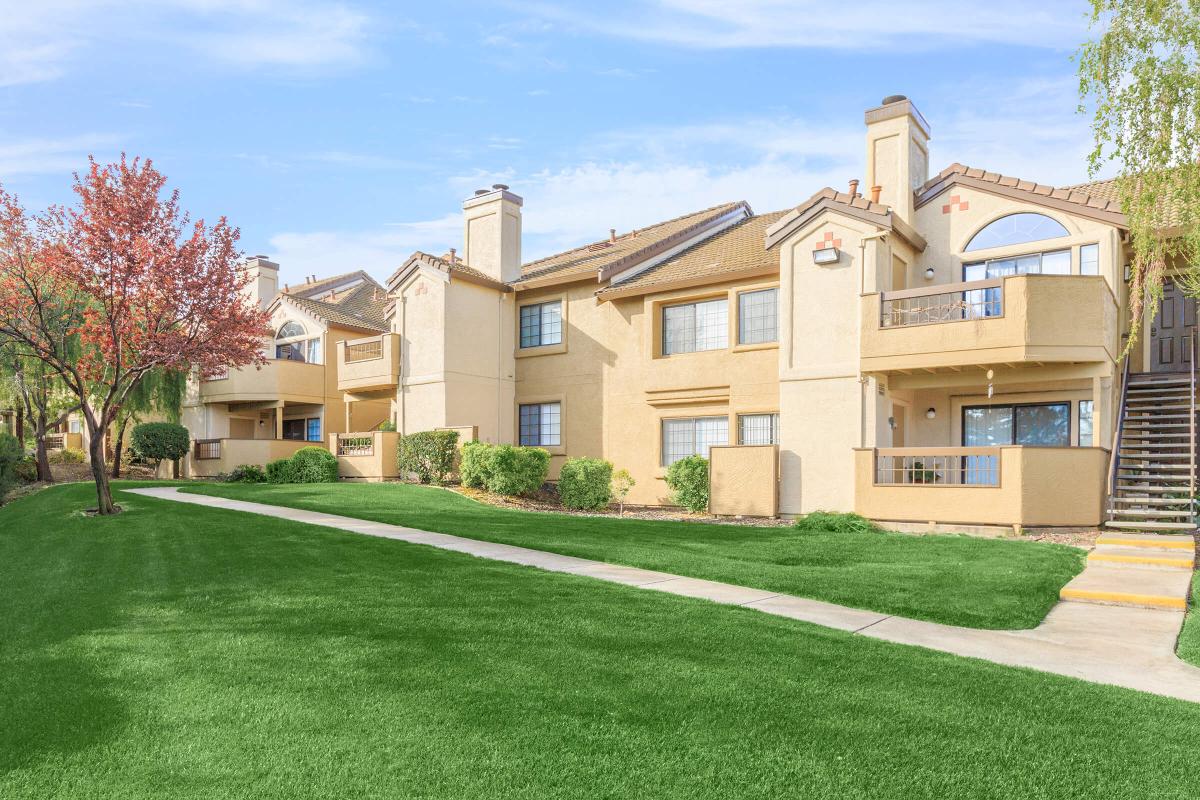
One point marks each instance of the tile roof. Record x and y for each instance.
(843, 203)
(1170, 215)
(737, 249)
(446, 265)
(1072, 198)
(590, 259)
(362, 306)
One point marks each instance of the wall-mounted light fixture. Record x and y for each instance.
(929, 273)
(1128, 273)
(931, 413)
(826, 255)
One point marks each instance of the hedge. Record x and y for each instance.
(503, 468)
(688, 480)
(247, 473)
(160, 441)
(314, 465)
(11, 454)
(428, 454)
(280, 471)
(585, 483)
(67, 455)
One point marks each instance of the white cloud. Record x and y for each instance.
(47, 156)
(42, 41)
(913, 25)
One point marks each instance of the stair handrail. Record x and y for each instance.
(1192, 426)
(1114, 454)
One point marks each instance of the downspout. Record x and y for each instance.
(862, 289)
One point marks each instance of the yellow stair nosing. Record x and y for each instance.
(1161, 544)
(1185, 563)
(1155, 600)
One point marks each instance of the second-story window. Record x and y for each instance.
(541, 324)
(1054, 262)
(1089, 259)
(293, 344)
(758, 316)
(692, 327)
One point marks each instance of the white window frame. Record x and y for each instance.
(743, 317)
(549, 424)
(705, 334)
(772, 423)
(665, 456)
(549, 332)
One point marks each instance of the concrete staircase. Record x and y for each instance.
(1143, 570)
(1155, 461)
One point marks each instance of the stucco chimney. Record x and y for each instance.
(264, 280)
(897, 153)
(492, 233)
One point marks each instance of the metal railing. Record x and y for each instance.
(364, 350)
(953, 302)
(355, 444)
(1118, 431)
(937, 466)
(207, 449)
(1192, 418)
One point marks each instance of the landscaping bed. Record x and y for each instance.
(953, 579)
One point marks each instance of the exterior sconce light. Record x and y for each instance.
(1128, 273)
(826, 255)
(929, 273)
(931, 413)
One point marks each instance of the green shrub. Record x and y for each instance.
(476, 466)
(159, 441)
(428, 454)
(280, 471)
(517, 470)
(585, 483)
(247, 473)
(11, 454)
(387, 425)
(314, 465)
(687, 479)
(834, 522)
(68, 455)
(25, 470)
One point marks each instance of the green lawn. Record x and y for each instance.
(958, 580)
(1189, 637)
(176, 651)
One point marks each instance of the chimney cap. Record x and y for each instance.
(500, 186)
(893, 98)
(482, 191)
(262, 257)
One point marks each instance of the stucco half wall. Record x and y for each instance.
(1039, 486)
(744, 481)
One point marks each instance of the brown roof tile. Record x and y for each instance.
(737, 249)
(590, 259)
(1108, 192)
(362, 307)
(1078, 195)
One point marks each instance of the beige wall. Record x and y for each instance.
(235, 452)
(379, 464)
(743, 481)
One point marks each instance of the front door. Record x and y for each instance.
(1170, 350)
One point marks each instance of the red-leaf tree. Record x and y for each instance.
(121, 285)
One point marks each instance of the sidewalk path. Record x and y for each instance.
(1130, 647)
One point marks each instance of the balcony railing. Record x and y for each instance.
(948, 466)
(55, 441)
(364, 350)
(355, 444)
(207, 449)
(947, 303)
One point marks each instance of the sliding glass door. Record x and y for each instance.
(1033, 424)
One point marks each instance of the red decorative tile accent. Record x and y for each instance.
(955, 202)
(827, 242)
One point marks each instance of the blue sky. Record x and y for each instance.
(341, 135)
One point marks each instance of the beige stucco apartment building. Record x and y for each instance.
(916, 348)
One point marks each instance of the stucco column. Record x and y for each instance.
(279, 421)
(348, 405)
(1102, 411)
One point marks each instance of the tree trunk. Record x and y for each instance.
(116, 467)
(20, 429)
(104, 501)
(43, 457)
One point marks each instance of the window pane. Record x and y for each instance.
(549, 431)
(711, 431)
(1017, 229)
(539, 424)
(758, 314)
(974, 272)
(678, 440)
(289, 330)
(1029, 264)
(293, 351)
(758, 429)
(552, 323)
(314, 430)
(1089, 259)
(679, 329)
(1056, 263)
(712, 325)
(1085, 423)
(1001, 268)
(313, 356)
(531, 326)
(530, 427)
(987, 426)
(1047, 425)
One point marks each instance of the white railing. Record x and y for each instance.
(953, 302)
(355, 444)
(937, 466)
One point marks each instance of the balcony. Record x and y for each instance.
(277, 380)
(211, 457)
(1012, 320)
(369, 365)
(1015, 485)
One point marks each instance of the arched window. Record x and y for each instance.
(1016, 229)
(290, 330)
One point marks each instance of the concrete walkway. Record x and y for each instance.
(1130, 647)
